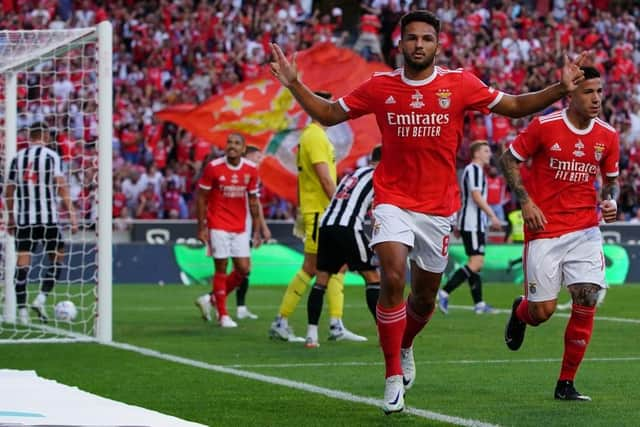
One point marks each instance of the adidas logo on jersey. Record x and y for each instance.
(556, 147)
(390, 100)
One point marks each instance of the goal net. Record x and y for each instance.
(60, 84)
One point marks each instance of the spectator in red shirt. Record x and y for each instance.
(148, 204)
(500, 129)
(172, 201)
(201, 149)
(496, 192)
(477, 129)
(369, 36)
(130, 144)
(160, 155)
(119, 199)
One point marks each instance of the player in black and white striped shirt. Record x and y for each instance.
(342, 241)
(34, 183)
(471, 223)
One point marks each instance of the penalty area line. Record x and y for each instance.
(334, 394)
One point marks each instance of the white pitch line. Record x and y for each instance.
(431, 362)
(564, 315)
(459, 307)
(334, 394)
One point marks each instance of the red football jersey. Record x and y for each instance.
(564, 165)
(421, 125)
(229, 188)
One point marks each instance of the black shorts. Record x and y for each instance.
(339, 245)
(473, 242)
(28, 237)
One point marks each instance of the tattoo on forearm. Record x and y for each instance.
(511, 171)
(254, 207)
(611, 190)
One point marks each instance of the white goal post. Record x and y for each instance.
(61, 79)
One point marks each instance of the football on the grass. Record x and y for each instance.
(66, 311)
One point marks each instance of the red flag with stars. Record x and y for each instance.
(269, 117)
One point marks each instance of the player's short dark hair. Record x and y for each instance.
(236, 134)
(590, 73)
(37, 130)
(376, 153)
(419, 16)
(323, 94)
(251, 149)
(476, 145)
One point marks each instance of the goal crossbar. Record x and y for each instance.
(22, 49)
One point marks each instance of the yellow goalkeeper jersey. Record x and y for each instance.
(314, 148)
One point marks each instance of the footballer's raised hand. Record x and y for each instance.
(281, 68)
(572, 75)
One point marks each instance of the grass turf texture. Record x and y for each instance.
(464, 368)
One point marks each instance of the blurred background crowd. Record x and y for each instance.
(172, 52)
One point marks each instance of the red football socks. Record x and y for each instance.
(391, 325)
(415, 323)
(522, 313)
(576, 339)
(220, 291)
(233, 281)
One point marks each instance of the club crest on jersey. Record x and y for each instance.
(416, 100)
(247, 178)
(532, 288)
(599, 149)
(444, 98)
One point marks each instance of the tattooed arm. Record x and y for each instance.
(533, 217)
(610, 194)
(511, 170)
(611, 188)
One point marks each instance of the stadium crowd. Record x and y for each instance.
(170, 52)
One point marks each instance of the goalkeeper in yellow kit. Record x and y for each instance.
(316, 184)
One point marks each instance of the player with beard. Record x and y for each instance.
(420, 111)
(221, 207)
(207, 302)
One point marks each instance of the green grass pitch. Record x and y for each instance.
(464, 369)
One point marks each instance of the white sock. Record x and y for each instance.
(40, 299)
(481, 304)
(312, 332)
(284, 322)
(335, 322)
